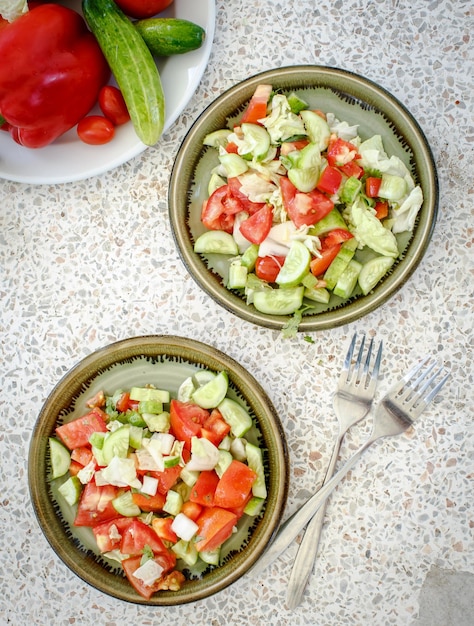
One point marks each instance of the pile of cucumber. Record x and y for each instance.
(130, 48)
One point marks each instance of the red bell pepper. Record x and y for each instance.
(51, 72)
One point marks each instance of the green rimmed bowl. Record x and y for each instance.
(350, 97)
(164, 361)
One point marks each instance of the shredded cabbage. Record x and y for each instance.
(282, 124)
(369, 231)
(11, 9)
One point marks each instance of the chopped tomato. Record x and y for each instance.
(330, 180)
(83, 455)
(149, 503)
(203, 489)
(214, 527)
(167, 478)
(186, 420)
(97, 400)
(290, 146)
(215, 428)
(76, 434)
(74, 468)
(168, 580)
(320, 264)
(218, 212)
(372, 186)
(232, 148)
(108, 535)
(338, 235)
(256, 228)
(234, 485)
(123, 403)
(239, 510)
(235, 190)
(138, 535)
(268, 267)
(95, 505)
(162, 527)
(191, 509)
(304, 209)
(352, 169)
(381, 210)
(340, 152)
(257, 107)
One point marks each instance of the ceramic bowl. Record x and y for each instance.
(165, 361)
(351, 98)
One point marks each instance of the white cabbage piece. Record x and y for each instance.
(11, 9)
(369, 231)
(403, 216)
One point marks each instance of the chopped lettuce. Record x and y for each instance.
(369, 231)
(282, 123)
(11, 9)
(403, 216)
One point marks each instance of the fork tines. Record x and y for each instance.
(417, 389)
(361, 369)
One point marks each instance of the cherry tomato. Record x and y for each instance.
(143, 8)
(95, 130)
(113, 105)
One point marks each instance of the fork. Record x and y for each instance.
(352, 401)
(397, 411)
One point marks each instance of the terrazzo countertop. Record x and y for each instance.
(91, 262)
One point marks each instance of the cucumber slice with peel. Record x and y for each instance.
(212, 393)
(284, 301)
(339, 264)
(216, 242)
(71, 490)
(255, 462)
(116, 444)
(373, 271)
(60, 458)
(296, 265)
(258, 138)
(348, 280)
(236, 416)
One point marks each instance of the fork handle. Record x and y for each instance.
(290, 529)
(304, 562)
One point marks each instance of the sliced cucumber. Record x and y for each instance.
(318, 294)
(60, 458)
(216, 242)
(317, 128)
(116, 444)
(157, 423)
(339, 264)
(211, 394)
(330, 222)
(348, 280)
(173, 502)
(237, 278)
(258, 138)
(254, 506)
(215, 182)
(296, 265)
(278, 301)
(186, 550)
(304, 179)
(236, 416)
(225, 459)
(249, 257)
(150, 406)
(217, 138)
(124, 505)
(350, 190)
(255, 462)
(210, 557)
(233, 164)
(71, 490)
(143, 394)
(296, 103)
(373, 271)
(392, 187)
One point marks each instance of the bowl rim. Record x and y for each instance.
(369, 94)
(82, 562)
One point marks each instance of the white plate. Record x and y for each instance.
(69, 159)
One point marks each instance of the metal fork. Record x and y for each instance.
(397, 411)
(352, 401)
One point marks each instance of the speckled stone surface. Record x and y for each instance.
(87, 263)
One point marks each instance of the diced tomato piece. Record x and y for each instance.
(186, 420)
(122, 404)
(214, 527)
(372, 186)
(381, 210)
(169, 579)
(268, 267)
(95, 505)
(338, 235)
(239, 510)
(304, 209)
(352, 169)
(138, 535)
(96, 401)
(76, 434)
(257, 107)
(218, 211)
(340, 152)
(235, 190)
(83, 455)
(162, 527)
(74, 468)
(231, 148)
(320, 264)
(108, 535)
(256, 228)
(149, 503)
(167, 478)
(217, 425)
(191, 509)
(290, 146)
(330, 180)
(204, 488)
(234, 485)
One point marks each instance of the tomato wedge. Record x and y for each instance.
(186, 420)
(257, 107)
(162, 527)
(214, 527)
(256, 228)
(108, 535)
(341, 152)
(138, 535)
(76, 434)
(149, 503)
(218, 211)
(204, 488)
(320, 264)
(338, 235)
(330, 180)
(304, 209)
(95, 505)
(168, 580)
(234, 485)
(268, 267)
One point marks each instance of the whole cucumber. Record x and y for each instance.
(132, 65)
(167, 36)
